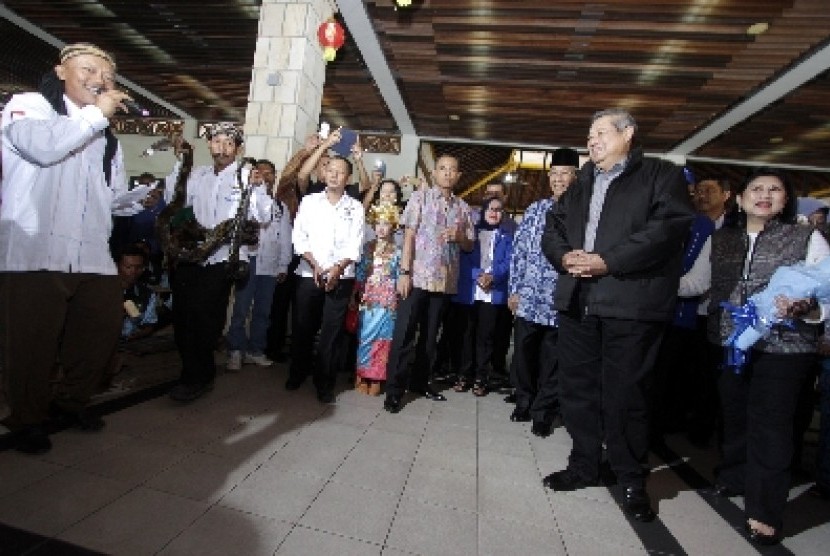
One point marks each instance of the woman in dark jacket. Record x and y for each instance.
(759, 400)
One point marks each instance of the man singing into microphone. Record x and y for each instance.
(60, 296)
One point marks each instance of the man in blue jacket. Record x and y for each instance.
(616, 239)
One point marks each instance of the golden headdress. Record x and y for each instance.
(383, 212)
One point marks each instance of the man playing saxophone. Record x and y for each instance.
(201, 284)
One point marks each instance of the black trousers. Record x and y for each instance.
(280, 308)
(605, 366)
(200, 309)
(477, 330)
(422, 308)
(501, 344)
(707, 359)
(674, 383)
(759, 407)
(318, 310)
(533, 371)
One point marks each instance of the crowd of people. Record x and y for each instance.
(613, 288)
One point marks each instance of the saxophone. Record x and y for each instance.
(182, 238)
(238, 270)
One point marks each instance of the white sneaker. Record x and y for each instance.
(234, 362)
(260, 360)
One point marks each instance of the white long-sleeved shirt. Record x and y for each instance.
(331, 233)
(215, 198)
(55, 203)
(274, 253)
(487, 240)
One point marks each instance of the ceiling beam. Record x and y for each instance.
(33, 29)
(787, 82)
(357, 20)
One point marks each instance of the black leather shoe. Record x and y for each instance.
(540, 429)
(84, 419)
(566, 481)
(510, 398)
(760, 538)
(432, 395)
(32, 440)
(392, 404)
(293, 384)
(520, 416)
(637, 505)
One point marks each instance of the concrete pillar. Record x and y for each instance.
(287, 79)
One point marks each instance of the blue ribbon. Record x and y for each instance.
(743, 317)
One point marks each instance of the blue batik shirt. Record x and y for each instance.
(532, 277)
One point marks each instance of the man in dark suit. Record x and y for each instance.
(616, 238)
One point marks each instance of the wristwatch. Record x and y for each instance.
(404, 272)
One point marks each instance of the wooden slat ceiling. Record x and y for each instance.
(503, 71)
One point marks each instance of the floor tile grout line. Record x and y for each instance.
(216, 503)
(549, 498)
(478, 475)
(637, 528)
(327, 481)
(406, 480)
(725, 508)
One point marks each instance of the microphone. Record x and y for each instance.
(132, 106)
(135, 108)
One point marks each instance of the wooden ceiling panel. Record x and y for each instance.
(512, 71)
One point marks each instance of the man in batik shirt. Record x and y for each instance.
(437, 226)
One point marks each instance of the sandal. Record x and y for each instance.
(761, 538)
(461, 385)
(479, 389)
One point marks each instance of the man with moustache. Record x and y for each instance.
(616, 239)
(438, 224)
(201, 290)
(60, 297)
(328, 235)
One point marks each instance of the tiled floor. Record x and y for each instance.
(253, 469)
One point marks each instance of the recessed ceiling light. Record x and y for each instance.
(455, 117)
(757, 28)
(776, 140)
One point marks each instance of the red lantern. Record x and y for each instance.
(331, 36)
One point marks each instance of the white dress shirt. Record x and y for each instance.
(55, 203)
(330, 232)
(486, 239)
(274, 251)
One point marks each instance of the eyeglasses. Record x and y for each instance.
(491, 209)
(560, 173)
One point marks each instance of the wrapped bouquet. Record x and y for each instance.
(755, 318)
